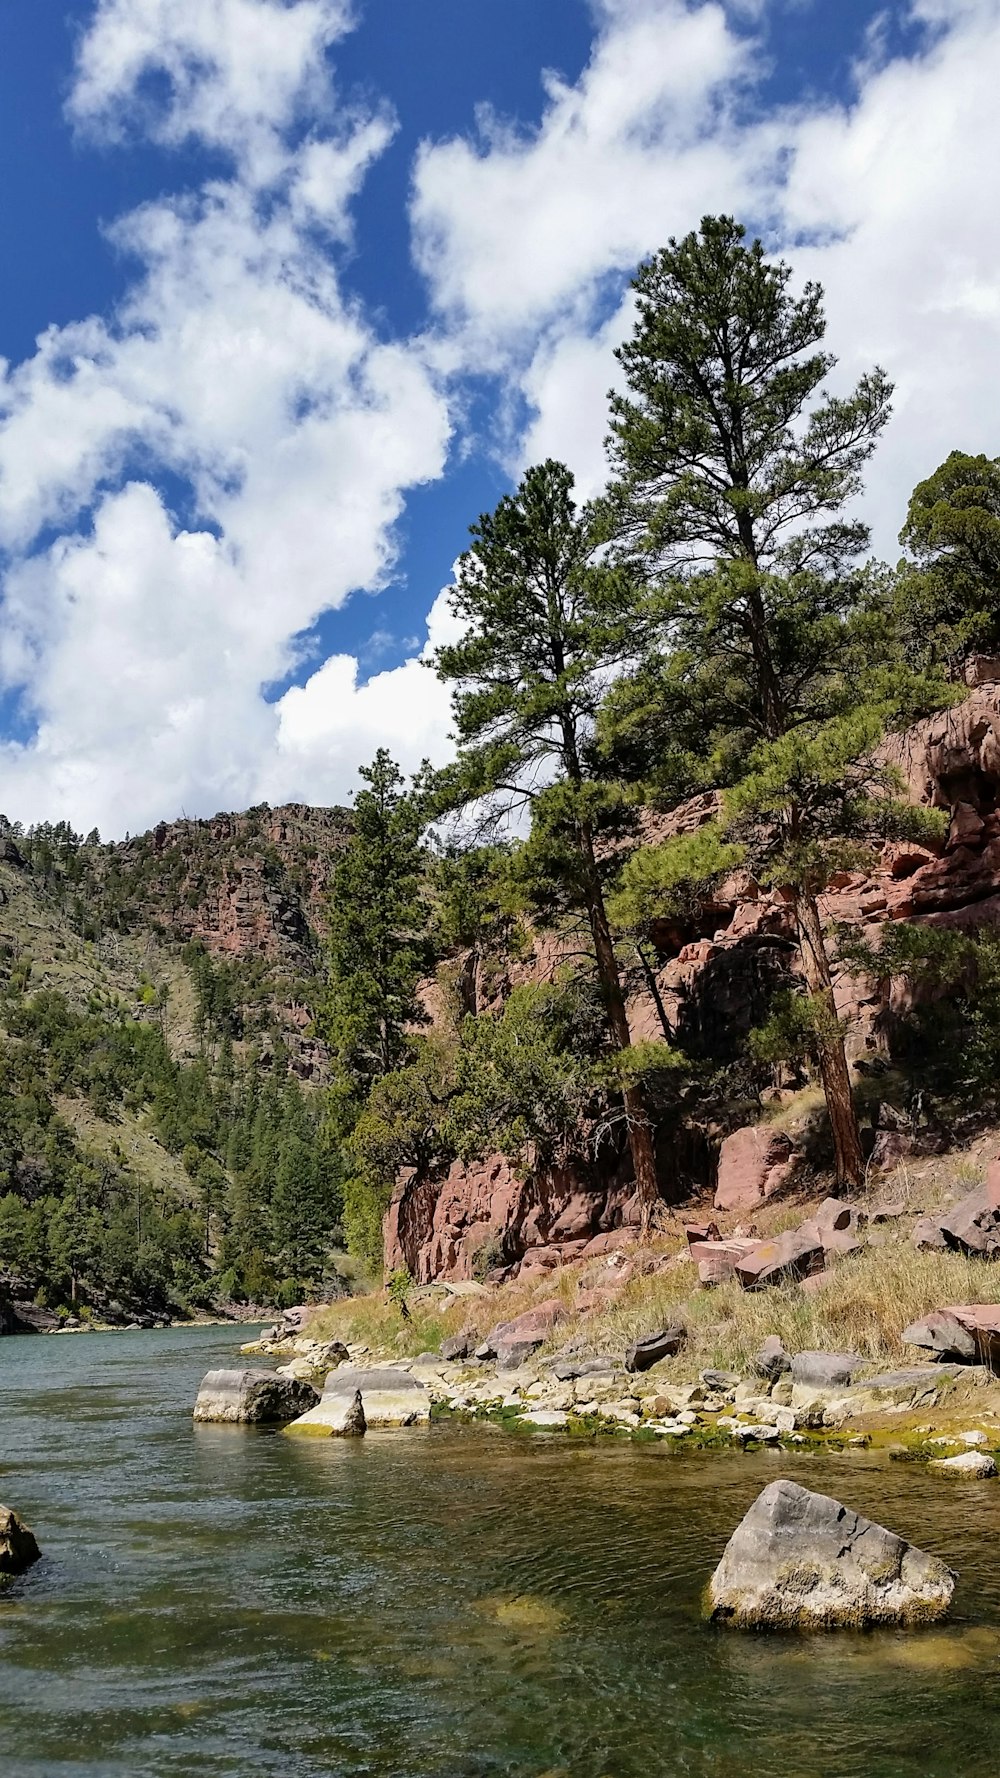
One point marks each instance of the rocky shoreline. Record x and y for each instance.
(947, 1415)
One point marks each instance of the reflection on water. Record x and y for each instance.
(437, 1603)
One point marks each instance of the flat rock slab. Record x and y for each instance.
(18, 1549)
(917, 1376)
(940, 1332)
(803, 1561)
(389, 1397)
(982, 1322)
(551, 1417)
(786, 1259)
(252, 1398)
(975, 1466)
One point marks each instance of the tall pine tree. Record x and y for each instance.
(542, 627)
(732, 474)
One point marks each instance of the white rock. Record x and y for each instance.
(973, 1438)
(974, 1464)
(784, 1419)
(544, 1417)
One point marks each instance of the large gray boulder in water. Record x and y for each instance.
(18, 1548)
(252, 1398)
(801, 1561)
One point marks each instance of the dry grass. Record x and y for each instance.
(869, 1300)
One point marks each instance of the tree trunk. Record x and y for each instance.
(834, 1071)
(639, 1134)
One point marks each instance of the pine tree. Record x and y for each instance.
(377, 948)
(732, 474)
(948, 597)
(542, 628)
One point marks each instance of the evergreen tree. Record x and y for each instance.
(541, 629)
(732, 475)
(948, 598)
(377, 946)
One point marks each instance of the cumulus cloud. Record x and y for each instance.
(514, 226)
(238, 383)
(882, 199)
(231, 74)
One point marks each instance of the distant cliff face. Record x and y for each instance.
(245, 885)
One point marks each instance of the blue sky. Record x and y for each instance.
(312, 282)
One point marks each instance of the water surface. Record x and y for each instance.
(442, 1603)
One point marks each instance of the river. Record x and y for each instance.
(454, 1602)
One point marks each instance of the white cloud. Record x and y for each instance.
(232, 74)
(516, 226)
(885, 200)
(141, 640)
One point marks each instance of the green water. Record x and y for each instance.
(445, 1603)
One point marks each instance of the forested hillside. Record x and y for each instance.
(161, 1070)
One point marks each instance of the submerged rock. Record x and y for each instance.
(800, 1560)
(252, 1398)
(18, 1549)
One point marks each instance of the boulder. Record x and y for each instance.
(789, 1257)
(973, 1226)
(567, 1368)
(334, 1352)
(982, 1322)
(535, 1326)
(720, 1381)
(717, 1260)
(457, 1346)
(753, 1163)
(389, 1397)
(942, 1335)
(652, 1347)
(772, 1361)
(18, 1549)
(701, 1231)
(824, 1370)
(800, 1560)
(252, 1398)
(511, 1354)
(975, 1465)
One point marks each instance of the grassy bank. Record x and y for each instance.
(863, 1308)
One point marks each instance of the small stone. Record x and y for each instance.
(716, 1380)
(973, 1464)
(973, 1438)
(456, 1347)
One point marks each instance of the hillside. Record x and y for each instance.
(160, 1060)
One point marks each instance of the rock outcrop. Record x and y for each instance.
(712, 979)
(18, 1548)
(252, 1398)
(801, 1561)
